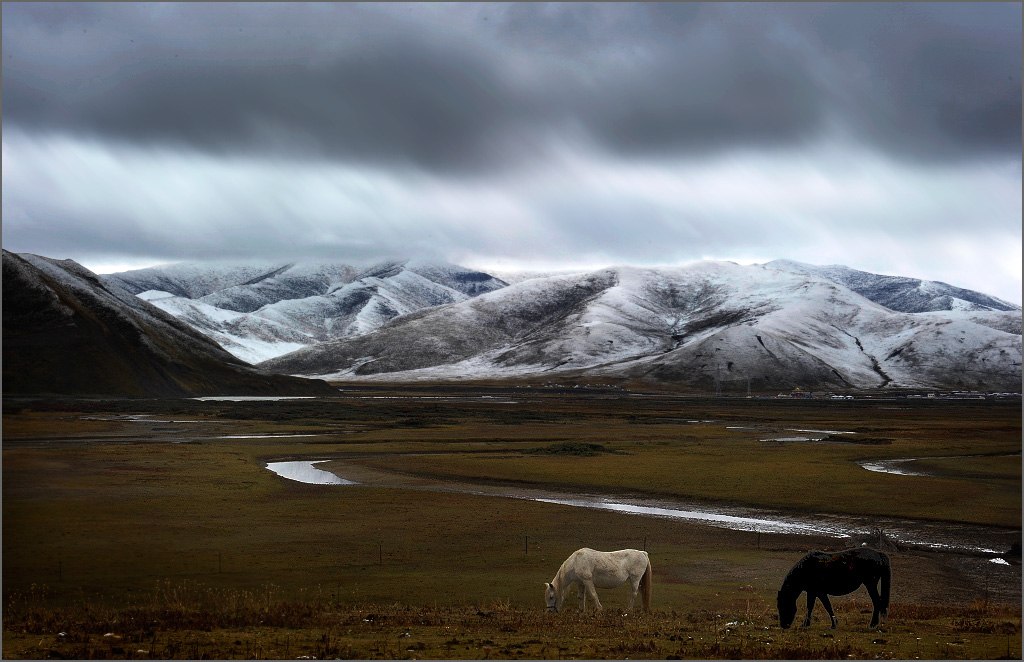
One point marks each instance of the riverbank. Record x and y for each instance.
(985, 542)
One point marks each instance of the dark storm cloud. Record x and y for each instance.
(322, 81)
(470, 88)
(923, 80)
(667, 78)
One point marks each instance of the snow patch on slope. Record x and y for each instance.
(258, 312)
(707, 324)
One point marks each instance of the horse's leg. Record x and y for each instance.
(828, 608)
(634, 588)
(876, 602)
(592, 593)
(811, 597)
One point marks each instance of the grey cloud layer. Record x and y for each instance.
(471, 88)
(884, 136)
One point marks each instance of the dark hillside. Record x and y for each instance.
(67, 333)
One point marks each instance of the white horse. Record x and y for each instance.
(590, 570)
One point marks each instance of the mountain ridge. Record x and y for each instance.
(261, 312)
(776, 325)
(908, 295)
(779, 327)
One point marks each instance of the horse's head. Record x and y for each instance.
(550, 597)
(787, 608)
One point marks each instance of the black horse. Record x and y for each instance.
(822, 574)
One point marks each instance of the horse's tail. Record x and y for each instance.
(645, 586)
(886, 582)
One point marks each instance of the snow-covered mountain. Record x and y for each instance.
(908, 295)
(67, 332)
(708, 325)
(262, 311)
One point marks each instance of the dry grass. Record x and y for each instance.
(196, 622)
(192, 550)
(720, 454)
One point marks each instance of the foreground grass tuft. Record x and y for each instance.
(186, 620)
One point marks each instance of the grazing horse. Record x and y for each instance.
(822, 574)
(590, 570)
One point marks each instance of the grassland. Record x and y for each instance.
(176, 542)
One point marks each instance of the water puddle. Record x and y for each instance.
(806, 435)
(139, 418)
(895, 467)
(305, 471)
(253, 398)
(490, 399)
(266, 436)
(820, 431)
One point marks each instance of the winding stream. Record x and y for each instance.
(898, 466)
(968, 538)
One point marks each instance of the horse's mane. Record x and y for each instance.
(563, 569)
(796, 572)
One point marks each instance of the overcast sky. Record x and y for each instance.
(886, 137)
